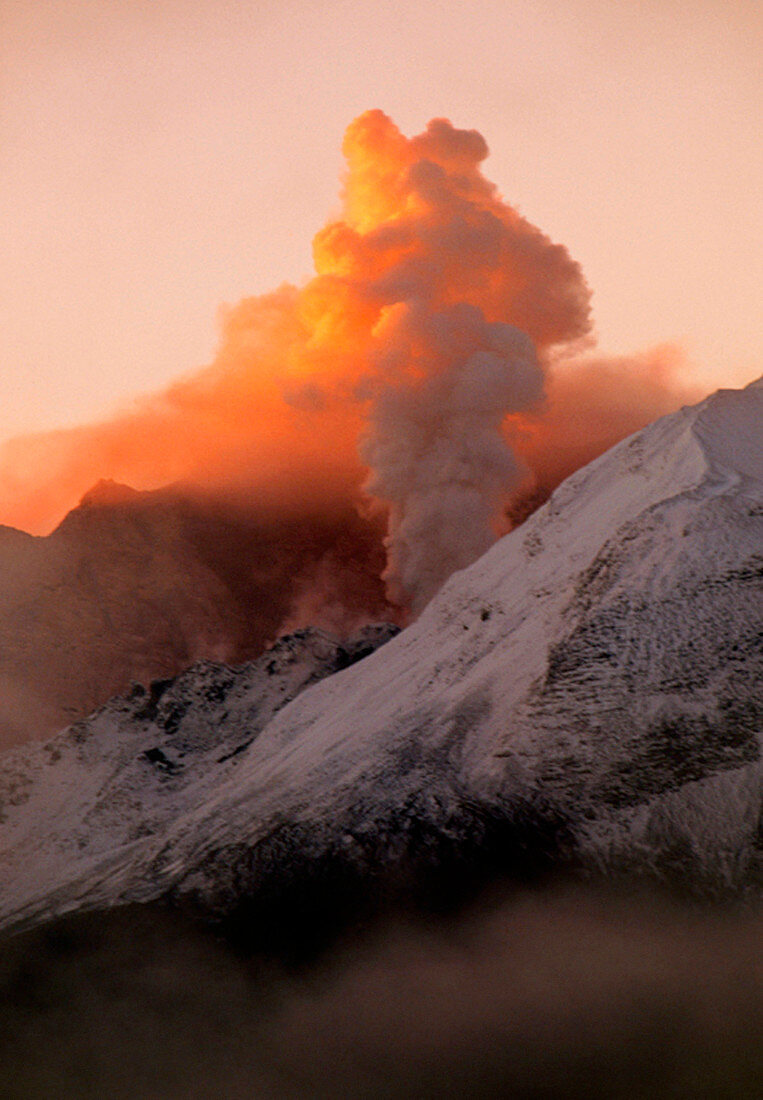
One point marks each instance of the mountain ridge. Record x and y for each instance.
(587, 690)
(139, 585)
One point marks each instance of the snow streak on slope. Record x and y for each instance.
(592, 680)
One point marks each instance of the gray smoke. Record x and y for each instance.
(435, 444)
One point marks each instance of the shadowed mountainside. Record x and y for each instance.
(137, 586)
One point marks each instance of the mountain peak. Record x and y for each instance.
(108, 492)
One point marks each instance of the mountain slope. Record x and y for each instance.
(134, 586)
(588, 690)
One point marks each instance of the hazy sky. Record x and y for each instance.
(161, 157)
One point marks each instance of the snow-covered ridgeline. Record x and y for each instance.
(603, 661)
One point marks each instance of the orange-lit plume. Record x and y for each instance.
(464, 291)
(417, 336)
(433, 314)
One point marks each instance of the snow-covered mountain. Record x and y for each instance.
(587, 692)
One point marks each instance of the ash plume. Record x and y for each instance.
(407, 374)
(435, 446)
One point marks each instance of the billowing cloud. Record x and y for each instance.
(409, 370)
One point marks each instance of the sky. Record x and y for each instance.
(160, 159)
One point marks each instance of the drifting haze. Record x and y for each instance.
(410, 369)
(557, 993)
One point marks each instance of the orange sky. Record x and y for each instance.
(161, 158)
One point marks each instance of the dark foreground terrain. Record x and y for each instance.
(543, 992)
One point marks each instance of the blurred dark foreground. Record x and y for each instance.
(550, 992)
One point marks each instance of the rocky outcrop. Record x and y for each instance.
(137, 586)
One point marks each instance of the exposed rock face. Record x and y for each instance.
(588, 691)
(136, 586)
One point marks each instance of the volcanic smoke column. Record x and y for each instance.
(433, 313)
(461, 290)
(435, 444)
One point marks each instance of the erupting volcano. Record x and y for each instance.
(407, 376)
(343, 650)
(356, 440)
